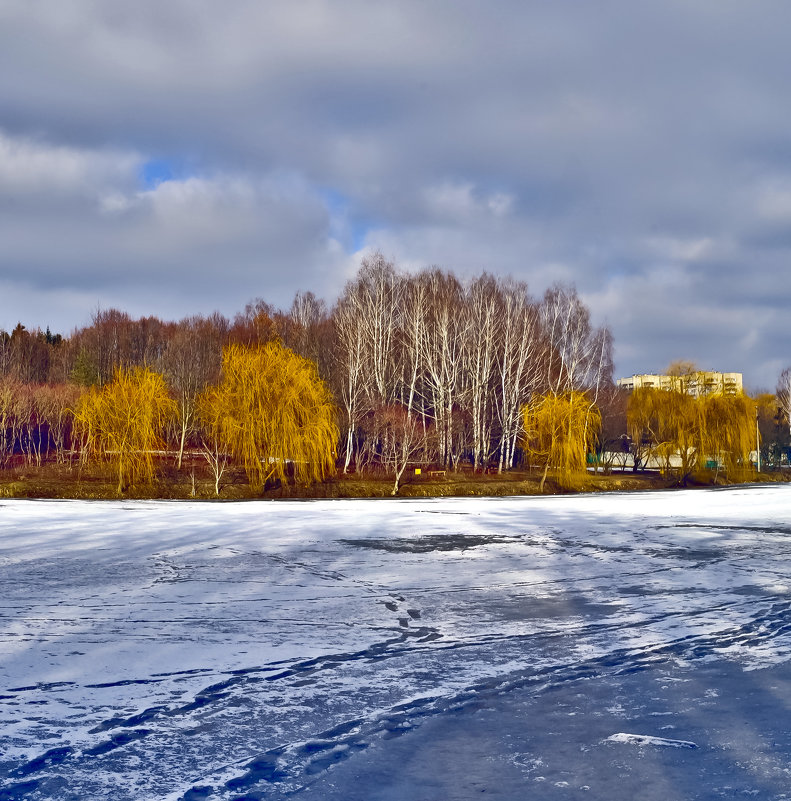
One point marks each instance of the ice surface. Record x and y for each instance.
(171, 650)
(647, 739)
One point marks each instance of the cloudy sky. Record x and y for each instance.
(173, 157)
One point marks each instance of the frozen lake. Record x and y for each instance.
(616, 647)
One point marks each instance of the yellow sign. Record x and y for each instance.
(417, 471)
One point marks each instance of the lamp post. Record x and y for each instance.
(757, 443)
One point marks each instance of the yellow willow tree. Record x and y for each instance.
(728, 432)
(123, 423)
(560, 430)
(687, 433)
(670, 422)
(271, 410)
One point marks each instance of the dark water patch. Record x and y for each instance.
(421, 634)
(553, 607)
(439, 512)
(122, 683)
(641, 590)
(726, 527)
(263, 768)
(19, 791)
(431, 542)
(572, 544)
(209, 695)
(627, 671)
(184, 672)
(385, 649)
(117, 741)
(418, 703)
(247, 671)
(52, 757)
(688, 554)
(316, 746)
(197, 793)
(414, 613)
(201, 700)
(135, 720)
(52, 685)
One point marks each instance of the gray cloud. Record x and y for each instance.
(642, 151)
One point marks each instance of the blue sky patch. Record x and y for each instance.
(155, 172)
(348, 227)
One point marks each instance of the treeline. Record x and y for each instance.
(422, 367)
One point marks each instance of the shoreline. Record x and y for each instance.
(53, 481)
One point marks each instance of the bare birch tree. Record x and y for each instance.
(366, 322)
(400, 437)
(522, 357)
(483, 327)
(580, 356)
(442, 350)
(783, 393)
(351, 367)
(191, 362)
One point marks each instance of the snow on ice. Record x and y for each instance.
(403, 649)
(647, 739)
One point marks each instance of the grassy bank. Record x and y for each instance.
(193, 481)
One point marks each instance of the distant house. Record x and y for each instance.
(697, 384)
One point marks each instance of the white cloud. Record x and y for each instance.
(774, 201)
(87, 234)
(461, 204)
(639, 150)
(683, 250)
(30, 167)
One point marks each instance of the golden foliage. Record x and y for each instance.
(728, 433)
(668, 421)
(688, 432)
(271, 409)
(681, 367)
(123, 422)
(560, 430)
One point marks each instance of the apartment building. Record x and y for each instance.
(697, 384)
